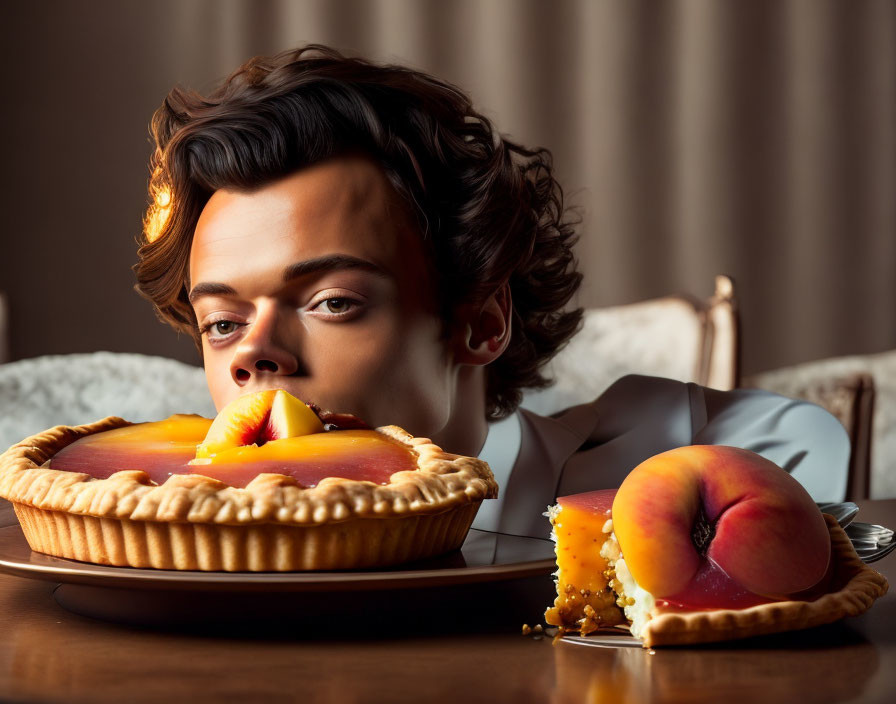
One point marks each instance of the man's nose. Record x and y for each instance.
(264, 348)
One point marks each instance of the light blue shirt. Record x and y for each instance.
(594, 446)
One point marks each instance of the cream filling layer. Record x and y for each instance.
(636, 602)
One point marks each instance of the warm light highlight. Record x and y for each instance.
(158, 214)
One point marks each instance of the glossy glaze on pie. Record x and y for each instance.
(168, 447)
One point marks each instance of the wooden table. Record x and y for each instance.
(49, 654)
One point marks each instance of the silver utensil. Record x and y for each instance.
(872, 542)
(843, 511)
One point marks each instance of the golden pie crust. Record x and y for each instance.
(193, 522)
(855, 585)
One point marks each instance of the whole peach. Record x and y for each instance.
(710, 506)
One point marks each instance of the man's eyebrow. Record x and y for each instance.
(318, 265)
(330, 262)
(209, 289)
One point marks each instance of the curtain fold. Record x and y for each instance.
(756, 139)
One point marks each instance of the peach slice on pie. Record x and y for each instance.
(270, 484)
(255, 419)
(700, 544)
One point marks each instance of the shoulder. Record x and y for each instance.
(631, 396)
(750, 411)
(737, 409)
(654, 413)
(723, 415)
(645, 410)
(638, 382)
(799, 436)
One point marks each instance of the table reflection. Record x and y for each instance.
(770, 669)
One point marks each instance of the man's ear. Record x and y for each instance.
(483, 330)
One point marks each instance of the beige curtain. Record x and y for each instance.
(752, 138)
(698, 136)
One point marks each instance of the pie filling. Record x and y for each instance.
(585, 597)
(167, 447)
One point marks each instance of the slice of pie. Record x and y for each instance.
(703, 544)
(270, 485)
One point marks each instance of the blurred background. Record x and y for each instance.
(755, 139)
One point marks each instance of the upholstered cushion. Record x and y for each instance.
(677, 337)
(38, 393)
(659, 338)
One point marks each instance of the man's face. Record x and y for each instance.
(318, 284)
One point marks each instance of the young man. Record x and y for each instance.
(360, 236)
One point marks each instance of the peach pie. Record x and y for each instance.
(270, 485)
(702, 544)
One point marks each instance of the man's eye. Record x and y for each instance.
(220, 328)
(336, 306)
(224, 327)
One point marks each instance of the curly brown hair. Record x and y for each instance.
(490, 210)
